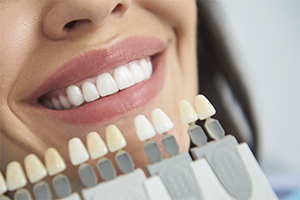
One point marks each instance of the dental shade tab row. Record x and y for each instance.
(222, 169)
(105, 84)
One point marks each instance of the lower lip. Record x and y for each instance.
(117, 104)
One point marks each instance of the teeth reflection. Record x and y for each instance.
(89, 91)
(106, 84)
(123, 77)
(56, 104)
(64, 102)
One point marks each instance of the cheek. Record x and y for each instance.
(18, 34)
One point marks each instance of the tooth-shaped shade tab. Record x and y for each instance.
(144, 128)
(96, 146)
(54, 162)
(186, 112)
(3, 187)
(34, 168)
(15, 177)
(77, 151)
(161, 121)
(74, 95)
(203, 107)
(106, 84)
(89, 91)
(123, 77)
(114, 138)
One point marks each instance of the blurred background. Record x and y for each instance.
(264, 37)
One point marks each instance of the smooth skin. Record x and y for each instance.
(36, 39)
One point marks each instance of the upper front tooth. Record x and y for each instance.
(89, 91)
(137, 73)
(146, 68)
(106, 84)
(74, 95)
(123, 77)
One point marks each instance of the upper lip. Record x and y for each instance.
(96, 61)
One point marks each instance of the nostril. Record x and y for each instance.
(72, 24)
(117, 8)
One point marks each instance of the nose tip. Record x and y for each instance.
(70, 17)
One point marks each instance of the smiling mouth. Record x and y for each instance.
(105, 84)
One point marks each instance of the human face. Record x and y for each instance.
(48, 45)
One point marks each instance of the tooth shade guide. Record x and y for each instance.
(96, 145)
(77, 151)
(3, 187)
(42, 191)
(22, 194)
(15, 176)
(34, 168)
(54, 162)
(170, 144)
(152, 151)
(124, 161)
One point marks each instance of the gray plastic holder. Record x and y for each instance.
(124, 162)
(197, 135)
(22, 194)
(87, 175)
(177, 175)
(106, 169)
(152, 150)
(41, 190)
(214, 128)
(226, 162)
(61, 185)
(170, 144)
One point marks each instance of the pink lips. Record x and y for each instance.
(95, 62)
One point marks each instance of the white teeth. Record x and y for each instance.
(137, 73)
(106, 84)
(96, 146)
(144, 128)
(186, 112)
(3, 187)
(89, 91)
(146, 68)
(114, 138)
(15, 177)
(34, 168)
(74, 95)
(203, 107)
(161, 121)
(64, 102)
(77, 151)
(54, 162)
(123, 77)
(56, 104)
